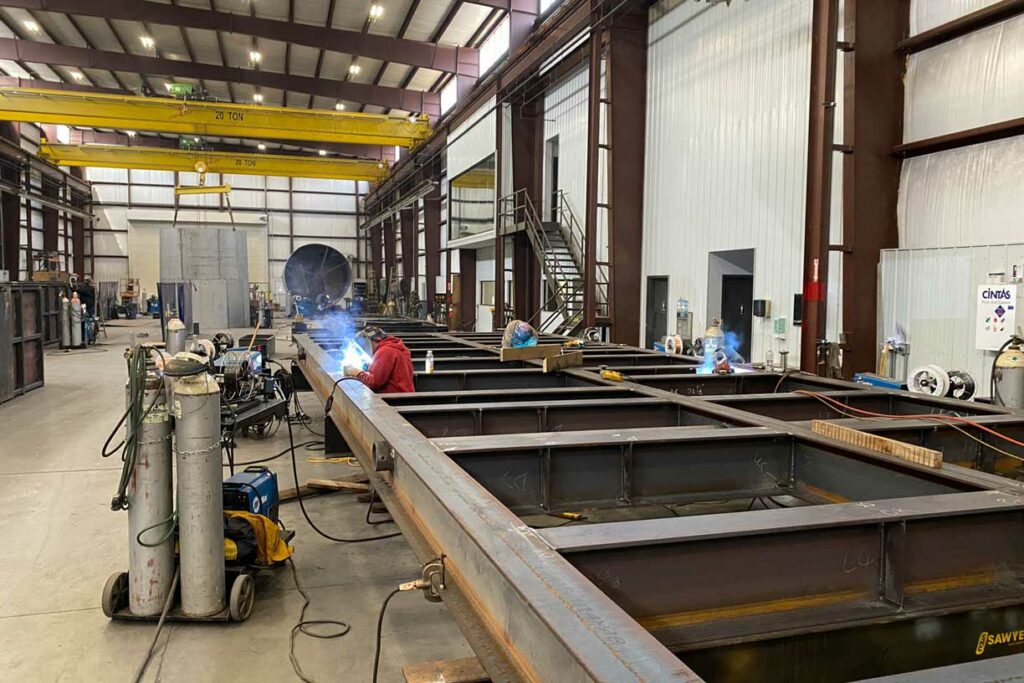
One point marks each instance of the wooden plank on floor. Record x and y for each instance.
(531, 352)
(467, 670)
(288, 495)
(879, 444)
(337, 485)
(573, 359)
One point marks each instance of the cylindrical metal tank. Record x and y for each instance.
(65, 322)
(1010, 378)
(200, 494)
(150, 505)
(176, 334)
(76, 321)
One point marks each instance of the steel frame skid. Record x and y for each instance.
(720, 538)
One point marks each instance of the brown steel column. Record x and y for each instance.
(10, 206)
(390, 251)
(498, 318)
(873, 126)
(376, 252)
(50, 218)
(410, 258)
(78, 233)
(528, 174)
(467, 280)
(432, 243)
(819, 179)
(627, 119)
(593, 175)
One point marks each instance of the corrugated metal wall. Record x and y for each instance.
(294, 212)
(932, 294)
(972, 195)
(927, 14)
(727, 135)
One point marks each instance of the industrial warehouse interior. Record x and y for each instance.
(457, 341)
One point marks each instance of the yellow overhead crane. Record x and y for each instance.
(160, 159)
(194, 117)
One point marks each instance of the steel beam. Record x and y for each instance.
(969, 23)
(432, 245)
(64, 55)
(443, 58)
(964, 138)
(542, 622)
(162, 159)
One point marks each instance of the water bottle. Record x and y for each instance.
(682, 307)
(430, 362)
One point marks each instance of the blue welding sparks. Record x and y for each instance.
(350, 351)
(721, 353)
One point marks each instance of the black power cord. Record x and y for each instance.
(302, 626)
(302, 504)
(380, 625)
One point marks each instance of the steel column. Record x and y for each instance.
(627, 121)
(593, 176)
(410, 256)
(432, 243)
(528, 174)
(467, 280)
(825, 25)
(390, 254)
(10, 204)
(871, 175)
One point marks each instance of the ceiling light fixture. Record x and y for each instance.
(131, 133)
(257, 98)
(354, 69)
(376, 11)
(339, 107)
(255, 57)
(322, 152)
(32, 26)
(261, 147)
(148, 42)
(77, 75)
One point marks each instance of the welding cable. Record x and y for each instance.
(302, 504)
(140, 672)
(269, 458)
(330, 399)
(380, 625)
(944, 419)
(303, 624)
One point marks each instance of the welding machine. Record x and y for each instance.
(252, 490)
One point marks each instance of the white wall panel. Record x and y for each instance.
(927, 14)
(145, 177)
(106, 175)
(973, 81)
(110, 194)
(932, 294)
(727, 148)
(968, 196)
(565, 117)
(323, 202)
(473, 140)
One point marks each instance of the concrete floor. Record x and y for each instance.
(61, 542)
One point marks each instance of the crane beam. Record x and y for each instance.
(194, 117)
(160, 159)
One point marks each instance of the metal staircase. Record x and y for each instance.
(559, 246)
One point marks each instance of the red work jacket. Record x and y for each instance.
(390, 372)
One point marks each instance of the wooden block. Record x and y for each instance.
(531, 352)
(337, 485)
(879, 444)
(573, 359)
(467, 670)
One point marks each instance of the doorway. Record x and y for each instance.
(731, 294)
(551, 177)
(656, 323)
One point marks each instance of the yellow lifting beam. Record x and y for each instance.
(191, 117)
(160, 159)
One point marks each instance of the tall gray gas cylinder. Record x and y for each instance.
(200, 494)
(76, 322)
(176, 334)
(150, 505)
(65, 322)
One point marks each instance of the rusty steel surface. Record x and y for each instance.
(606, 531)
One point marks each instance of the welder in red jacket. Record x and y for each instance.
(390, 371)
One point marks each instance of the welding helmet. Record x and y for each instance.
(523, 336)
(373, 333)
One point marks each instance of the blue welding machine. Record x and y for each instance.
(252, 490)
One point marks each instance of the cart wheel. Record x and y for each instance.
(243, 595)
(114, 593)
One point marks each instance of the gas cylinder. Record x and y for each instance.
(76, 320)
(197, 439)
(1009, 377)
(150, 504)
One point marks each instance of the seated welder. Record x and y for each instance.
(390, 371)
(518, 334)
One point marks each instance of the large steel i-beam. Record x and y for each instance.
(679, 526)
